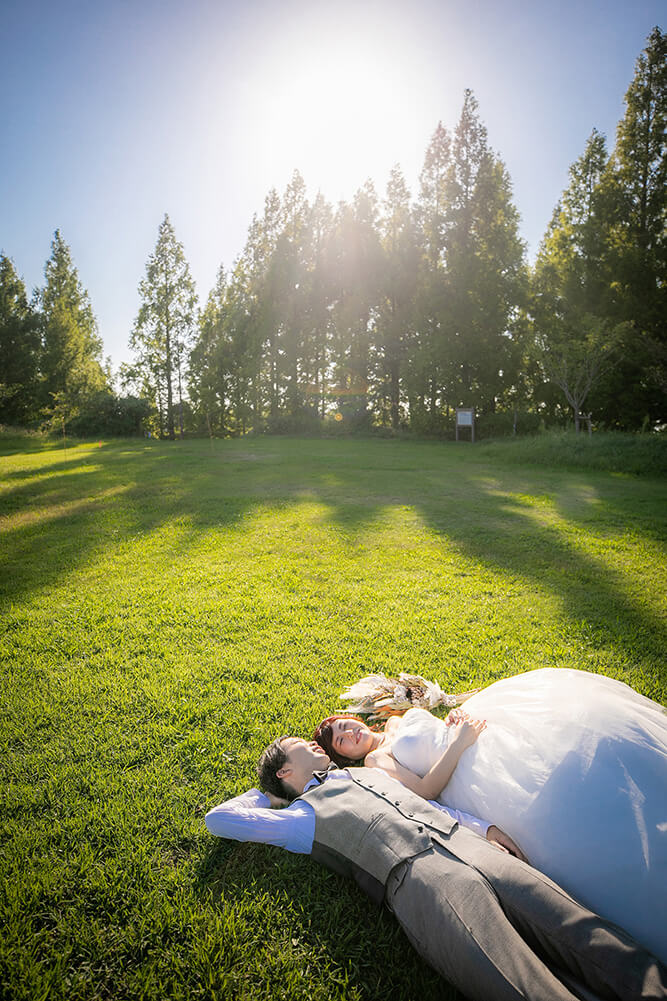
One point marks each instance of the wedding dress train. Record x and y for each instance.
(573, 766)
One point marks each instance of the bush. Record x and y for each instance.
(107, 414)
(614, 451)
(306, 420)
(501, 424)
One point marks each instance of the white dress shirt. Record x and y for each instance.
(249, 817)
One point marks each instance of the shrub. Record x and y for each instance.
(104, 413)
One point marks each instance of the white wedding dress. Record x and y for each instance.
(573, 766)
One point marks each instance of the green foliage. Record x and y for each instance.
(636, 187)
(70, 358)
(395, 320)
(614, 452)
(387, 314)
(19, 349)
(599, 301)
(506, 423)
(571, 284)
(380, 312)
(104, 413)
(163, 329)
(167, 608)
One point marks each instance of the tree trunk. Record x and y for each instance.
(395, 396)
(180, 401)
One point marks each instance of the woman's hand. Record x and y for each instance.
(467, 730)
(503, 841)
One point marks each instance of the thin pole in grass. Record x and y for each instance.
(61, 411)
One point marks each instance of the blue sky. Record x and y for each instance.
(115, 113)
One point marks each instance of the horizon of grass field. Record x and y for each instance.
(167, 608)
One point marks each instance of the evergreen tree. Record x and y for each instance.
(260, 294)
(317, 302)
(164, 327)
(635, 186)
(356, 263)
(427, 370)
(573, 308)
(19, 349)
(395, 319)
(244, 326)
(485, 271)
(71, 346)
(210, 369)
(289, 270)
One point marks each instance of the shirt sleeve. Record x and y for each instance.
(464, 819)
(249, 818)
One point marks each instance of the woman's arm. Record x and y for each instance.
(431, 785)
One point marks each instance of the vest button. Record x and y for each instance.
(397, 802)
(411, 815)
(420, 828)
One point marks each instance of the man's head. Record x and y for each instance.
(287, 765)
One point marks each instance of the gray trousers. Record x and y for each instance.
(499, 930)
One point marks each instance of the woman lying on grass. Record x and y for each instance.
(571, 765)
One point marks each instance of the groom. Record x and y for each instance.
(489, 923)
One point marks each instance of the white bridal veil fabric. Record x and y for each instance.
(573, 766)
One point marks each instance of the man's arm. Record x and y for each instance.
(249, 818)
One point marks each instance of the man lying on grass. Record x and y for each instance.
(475, 911)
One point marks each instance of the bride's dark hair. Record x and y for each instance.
(324, 737)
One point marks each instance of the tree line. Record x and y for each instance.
(386, 311)
(51, 368)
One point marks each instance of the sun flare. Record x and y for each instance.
(337, 112)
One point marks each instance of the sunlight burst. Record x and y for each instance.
(339, 114)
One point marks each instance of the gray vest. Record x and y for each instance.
(366, 827)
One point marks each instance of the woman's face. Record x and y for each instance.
(351, 738)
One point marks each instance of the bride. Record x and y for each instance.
(572, 765)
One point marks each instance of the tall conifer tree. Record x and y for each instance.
(427, 371)
(485, 274)
(356, 276)
(19, 349)
(71, 346)
(636, 185)
(164, 326)
(571, 289)
(396, 308)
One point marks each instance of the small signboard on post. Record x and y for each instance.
(465, 418)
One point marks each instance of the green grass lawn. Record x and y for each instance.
(168, 608)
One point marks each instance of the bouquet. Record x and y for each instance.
(379, 696)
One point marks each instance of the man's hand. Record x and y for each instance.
(275, 802)
(504, 842)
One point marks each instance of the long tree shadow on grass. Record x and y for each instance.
(65, 514)
(500, 526)
(70, 511)
(322, 916)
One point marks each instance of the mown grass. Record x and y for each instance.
(169, 608)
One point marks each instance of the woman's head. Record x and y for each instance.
(346, 739)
